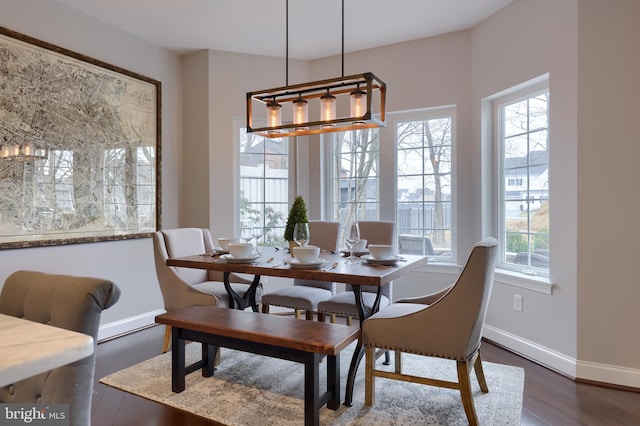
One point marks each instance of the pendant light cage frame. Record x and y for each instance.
(342, 88)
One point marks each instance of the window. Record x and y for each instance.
(402, 172)
(424, 148)
(522, 144)
(264, 186)
(354, 178)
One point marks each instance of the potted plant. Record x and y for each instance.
(297, 214)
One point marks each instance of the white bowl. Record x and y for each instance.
(240, 250)
(223, 242)
(381, 251)
(306, 254)
(360, 246)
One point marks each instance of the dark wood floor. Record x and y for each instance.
(549, 398)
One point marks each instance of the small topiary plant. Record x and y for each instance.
(297, 214)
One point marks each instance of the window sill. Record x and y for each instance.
(441, 268)
(502, 276)
(516, 279)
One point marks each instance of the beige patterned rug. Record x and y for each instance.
(250, 389)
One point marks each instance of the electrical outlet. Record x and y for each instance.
(517, 302)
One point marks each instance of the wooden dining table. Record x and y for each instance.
(277, 263)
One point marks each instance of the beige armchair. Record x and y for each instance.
(447, 324)
(305, 295)
(69, 302)
(344, 304)
(182, 287)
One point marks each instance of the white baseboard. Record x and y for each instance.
(548, 357)
(603, 373)
(127, 325)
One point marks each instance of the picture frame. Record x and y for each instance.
(80, 147)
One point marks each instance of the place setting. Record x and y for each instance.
(306, 257)
(381, 255)
(240, 253)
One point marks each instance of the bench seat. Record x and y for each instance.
(306, 342)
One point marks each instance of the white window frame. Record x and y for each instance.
(238, 125)
(387, 176)
(493, 183)
(426, 115)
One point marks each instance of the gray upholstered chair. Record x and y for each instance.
(344, 304)
(447, 324)
(69, 302)
(183, 287)
(305, 295)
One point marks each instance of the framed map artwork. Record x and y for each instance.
(79, 147)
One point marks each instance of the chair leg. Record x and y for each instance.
(321, 317)
(167, 338)
(349, 321)
(465, 392)
(398, 361)
(332, 319)
(369, 378)
(308, 315)
(265, 309)
(297, 313)
(477, 366)
(217, 358)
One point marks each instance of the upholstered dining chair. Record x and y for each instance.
(305, 295)
(447, 324)
(70, 302)
(183, 287)
(344, 303)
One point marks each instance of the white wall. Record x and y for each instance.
(526, 39)
(608, 195)
(129, 263)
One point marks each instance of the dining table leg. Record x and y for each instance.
(358, 353)
(239, 302)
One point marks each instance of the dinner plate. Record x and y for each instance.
(229, 258)
(372, 260)
(357, 253)
(316, 264)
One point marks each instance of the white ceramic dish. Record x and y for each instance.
(220, 250)
(316, 264)
(386, 262)
(229, 258)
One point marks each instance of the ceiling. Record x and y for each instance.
(259, 26)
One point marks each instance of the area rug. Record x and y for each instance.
(249, 389)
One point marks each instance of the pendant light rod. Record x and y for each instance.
(287, 43)
(342, 38)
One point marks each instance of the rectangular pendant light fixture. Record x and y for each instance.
(344, 103)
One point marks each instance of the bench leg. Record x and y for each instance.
(208, 359)
(178, 368)
(333, 381)
(311, 390)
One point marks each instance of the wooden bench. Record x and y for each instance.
(307, 342)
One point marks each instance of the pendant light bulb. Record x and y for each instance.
(328, 108)
(274, 114)
(358, 100)
(300, 112)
